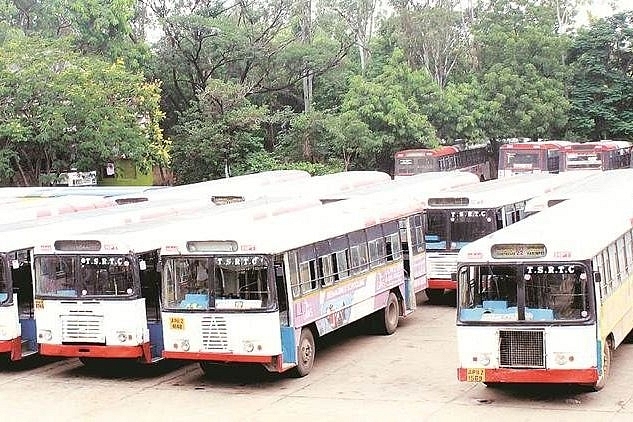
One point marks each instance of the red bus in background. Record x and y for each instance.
(531, 157)
(597, 155)
(460, 157)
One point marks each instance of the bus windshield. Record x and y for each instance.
(219, 282)
(520, 160)
(543, 292)
(82, 276)
(586, 160)
(453, 229)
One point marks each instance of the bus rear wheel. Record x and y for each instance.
(390, 315)
(607, 351)
(305, 353)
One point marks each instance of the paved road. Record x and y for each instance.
(409, 376)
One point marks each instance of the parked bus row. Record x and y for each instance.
(516, 158)
(128, 271)
(254, 281)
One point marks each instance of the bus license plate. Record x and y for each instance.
(177, 323)
(476, 374)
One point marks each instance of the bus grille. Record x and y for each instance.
(441, 266)
(215, 333)
(521, 349)
(82, 329)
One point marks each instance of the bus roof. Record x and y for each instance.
(291, 231)
(575, 229)
(535, 145)
(504, 191)
(430, 183)
(616, 181)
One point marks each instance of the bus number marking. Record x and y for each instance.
(39, 304)
(177, 323)
(475, 374)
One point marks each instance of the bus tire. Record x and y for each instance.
(434, 295)
(390, 315)
(607, 351)
(305, 353)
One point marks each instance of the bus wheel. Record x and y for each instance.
(606, 367)
(305, 353)
(434, 295)
(390, 315)
(207, 367)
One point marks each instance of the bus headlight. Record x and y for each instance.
(563, 358)
(249, 346)
(4, 332)
(45, 335)
(184, 345)
(482, 359)
(122, 336)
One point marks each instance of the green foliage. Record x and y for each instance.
(59, 109)
(601, 92)
(393, 105)
(222, 135)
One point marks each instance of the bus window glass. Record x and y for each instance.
(436, 234)
(71, 275)
(482, 286)
(469, 225)
(220, 282)
(628, 249)
(4, 287)
(342, 264)
(293, 271)
(551, 292)
(561, 289)
(327, 269)
(613, 265)
(621, 258)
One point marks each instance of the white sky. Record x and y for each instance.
(602, 8)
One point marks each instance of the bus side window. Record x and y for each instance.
(293, 272)
(358, 251)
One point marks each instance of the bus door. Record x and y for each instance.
(288, 344)
(21, 274)
(414, 250)
(553, 161)
(150, 291)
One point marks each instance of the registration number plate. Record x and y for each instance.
(476, 374)
(177, 323)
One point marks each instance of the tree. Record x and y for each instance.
(59, 109)
(601, 91)
(222, 137)
(520, 70)
(392, 106)
(435, 36)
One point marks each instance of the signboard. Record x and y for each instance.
(517, 250)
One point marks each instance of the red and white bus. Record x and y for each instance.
(598, 155)
(473, 158)
(531, 157)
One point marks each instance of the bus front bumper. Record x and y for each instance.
(504, 375)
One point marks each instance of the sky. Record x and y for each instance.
(602, 8)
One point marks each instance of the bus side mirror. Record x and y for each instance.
(596, 277)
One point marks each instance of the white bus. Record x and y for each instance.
(262, 292)
(23, 229)
(98, 291)
(547, 300)
(616, 182)
(459, 216)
